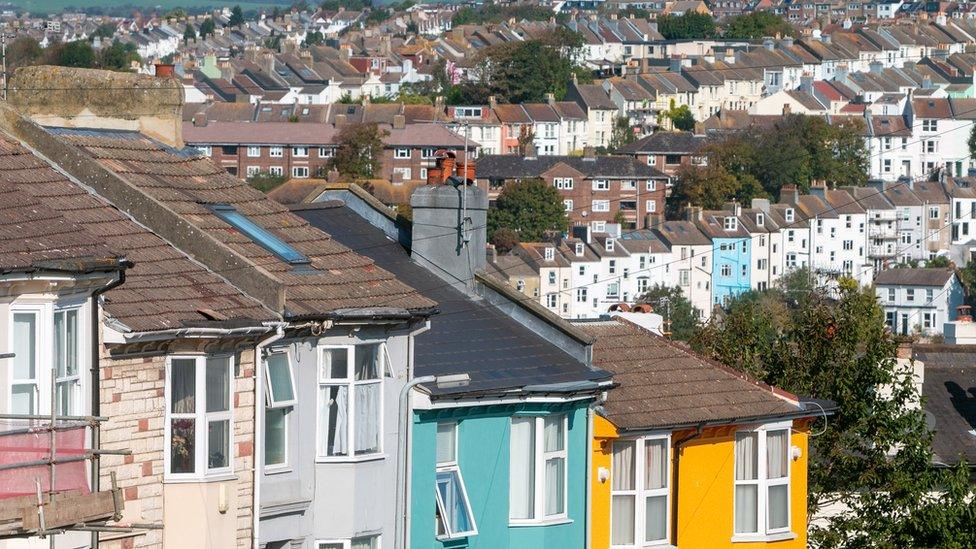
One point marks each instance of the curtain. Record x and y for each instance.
(522, 487)
(340, 417)
(622, 520)
(552, 432)
(218, 384)
(25, 345)
(746, 456)
(367, 418)
(777, 448)
(623, 466)
(555, 485)
(656, 518)
(655, 464)
(367, 362)
(779, 506)
(184, 382)
(746, 508)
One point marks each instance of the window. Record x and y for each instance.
(198, 416)
(251, 171)
(886, 141)
(790, 260)
(672, 159)
(760, 220)
(538, 468)
(362, 542)
(563, 183)
(601, 205)
(600, 226)
(651, 185)
(789, 215)
(886, 166)
(253, 152)
(762, 481)
(726, 270)
(639, 491)
(402, 174)
(24, 387)
(933, 212)
(299, 172)
(579, 252)
(730, 223)
(350, 401)
(428, 153)
(848, 245)
(454, 518)
(401, 152)
(568, 205)
(928, 320)
(910, 294)
(276, 170)
(684, 277)
(601, 185)
(259, 234)
(931, 145)
(551, 301)
(281, 382)
(325, 152)
(650, 206)
(228, 150)
(550, 253)
(299, 152)
(613, 290)
(276, 152)
(930, 125)
(609, 244)
(929, 295)
(581, 295)
(467, 112)
(891, 294)
(206, 150)
(552, 277)
(66, 358)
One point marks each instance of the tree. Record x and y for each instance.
(118, 56)
(264, 181)
(104, 31)
(189, 33)
(236, 17)
(524, 71)
(72, 54)
(756, 25)
(23, 52)
(504, 239)
(668, 301)
(691, 25)
(360, 151)
(622, 134)
(313, 38)
(873, 456)
(710, 187)
(529, 207)
(681, 117)
(207, 28)
(972, 144)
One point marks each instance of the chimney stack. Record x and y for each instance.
(399, 122)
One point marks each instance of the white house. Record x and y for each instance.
(918, 299)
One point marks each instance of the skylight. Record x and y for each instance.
(261, 236)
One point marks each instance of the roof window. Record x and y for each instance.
(261, 236)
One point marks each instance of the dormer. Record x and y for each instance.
(550, 253)
(579, 249)
(731, 223)
(760, 219)
(609, 244)
(789, 215)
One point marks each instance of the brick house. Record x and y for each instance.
(595, 189)
(667, 151)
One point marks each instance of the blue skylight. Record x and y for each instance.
(259, 235)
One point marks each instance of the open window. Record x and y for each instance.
(281, 380)
(453, 513)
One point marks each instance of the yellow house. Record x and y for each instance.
(689, 453)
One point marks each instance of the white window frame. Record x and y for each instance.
(299, 152)
(452, 466)
(201, 471)
(402, 153)
(651, 185)
(641, 493)
(206, 150)
(276, 151)
(253, 152)
(568, 205)
(252, 171)
(42, 347)
(299, 172)
(347, 543)
(271, 401)
(276, 170)
(325, 152)
(349, 382)
(539, 473)
(74, 380)
(563, 183)
(601, 185)
(764, 533)
(601, 206)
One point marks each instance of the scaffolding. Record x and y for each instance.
(45, 465)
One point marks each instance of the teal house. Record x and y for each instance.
(731, 253)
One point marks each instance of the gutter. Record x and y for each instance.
(676, 448)
(177, 333)
(825, 410)
(259, 429)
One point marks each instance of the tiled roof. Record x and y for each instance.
(948, 386)
(666, 143)
(913, 277)
(662, 384)
(498, 166)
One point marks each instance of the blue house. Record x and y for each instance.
(731, 252)
(497, 426)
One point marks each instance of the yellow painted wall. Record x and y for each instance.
(705, 489)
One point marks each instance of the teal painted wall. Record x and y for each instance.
(483, 457)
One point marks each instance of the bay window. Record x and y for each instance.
(454, 518)
(198, 416)
(538, 469)
(25, 383)
(762, 481)
(350, 401)
(68, 380)
(640, 491)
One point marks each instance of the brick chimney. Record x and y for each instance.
(445, 163)
(112, 101)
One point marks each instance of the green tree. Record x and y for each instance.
(972, 144)
(756, 25)
(72, 54)
(360, 151)
(236, 17)
(22, 52)
(691, 25)
(118, 56)
(531, 208)
(622, 134)
(681, 117)
(524, 71)
(207, 27)
(680, 317)
(313, 38)
(104, 31)
(710, 187)
(189, 33)
(265, 181)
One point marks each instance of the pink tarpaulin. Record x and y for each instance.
(27, 447)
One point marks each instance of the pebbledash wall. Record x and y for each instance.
(133, 396)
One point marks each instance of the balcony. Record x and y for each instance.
(883, 231)
(881, 251)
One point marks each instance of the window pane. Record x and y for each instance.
(368, 407)
(777, 448)
(367, 362)
(25, 345)
(275, 437)
(555, 486)
(522, 485)
(22, 399)
(656, 464)
(218, 384)
(449, 490)
(778, 506)
(746, 502)
(553, 431)
(218, 440)
(66, 397)
(184, 381)
(279, 372)
(333, 420)
(335, 363)
(182, 444)
(71, 342)
(622, 468)
(746, 456)
(622, 520)
(366, 542)
(324, 545)
(656, 518)
(59, 347)
(446, 439)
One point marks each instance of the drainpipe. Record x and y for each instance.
(403, 461)
(96, 355)
(587, 526)
(674, 473)
(258, 446)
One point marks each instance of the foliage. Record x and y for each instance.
(710, 187)
(531, 208)
(681, 117)
(236, 17)
(873, 455)
(505, 239)
(189, 33)
(351, 5)
(264, 181)
(938, 262)
(670, 303)
(494, 13)
(622, 134)
(22, 52)
(360, 151)
(756, 25)
(105, 30)
(72, 54)
(691, 25)
(175, 13)
(313, 38)
(118, 56)
(207, 27)
(273, 42)
(408, 98)
(972, 142)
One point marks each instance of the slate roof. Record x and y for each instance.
(662, 384)
(468, 335)
(913, 277)
(666, 143)
(506, 166)
(949, 390)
